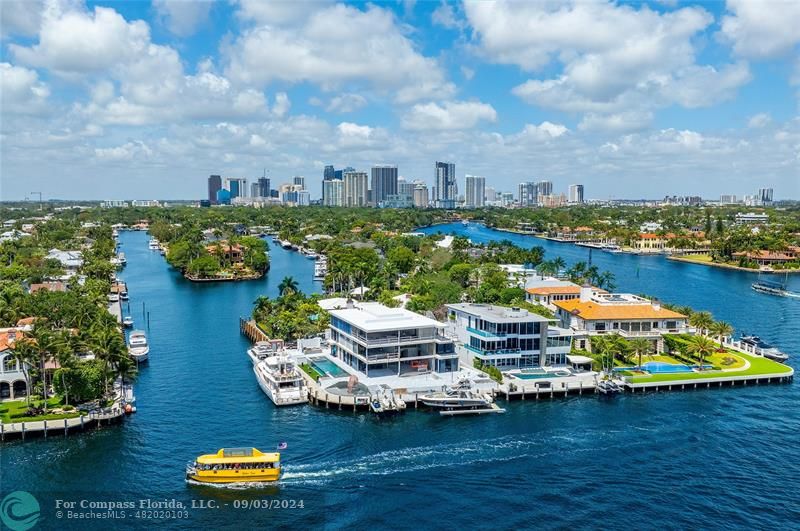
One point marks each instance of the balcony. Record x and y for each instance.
(499, 352)
(484, 333)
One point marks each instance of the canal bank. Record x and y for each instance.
(529, 466)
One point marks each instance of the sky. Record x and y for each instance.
(145, 99)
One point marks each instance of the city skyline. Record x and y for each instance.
(176, 91)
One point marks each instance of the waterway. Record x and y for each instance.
(707, 458)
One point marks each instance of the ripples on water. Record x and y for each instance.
(706, 458)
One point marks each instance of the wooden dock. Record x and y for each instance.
(43, 428)
(251, 330)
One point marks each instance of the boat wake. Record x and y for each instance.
(244, 485)
(409, 460)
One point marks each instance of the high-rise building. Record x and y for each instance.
(576, 193)
(300, 181)
(214, 186)
(333, 192)
(303, 198)
(727, 199)
(764, 195)
(223, 197)
(446, 190)
(255, 191)
(544, 188)
(263, 187)
(329, 173)
(237, 187)
(474, 195)
(507, 198)
(491, 194)
(384, 183)
(421, 199)
(356, 189)
(528, 193)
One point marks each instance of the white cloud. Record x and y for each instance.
(79, 42)
(20, 17)
(451, 115)
(337, 45)
(759, 120)
(445, 16)
(541, 133)
(275, 13)
(758, 30)
(619, 122)
(344, 103)
(183, 17)
(282, 104)
(467, 72)
(614, 58)
(126, 152)
(21, 92)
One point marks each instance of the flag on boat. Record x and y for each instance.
(282, 446)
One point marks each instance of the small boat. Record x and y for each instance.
(608, 387)
(154, 245)
(459, 397)
(123, 295)
(286, 244)
(138, 349)
(772, 288)
(280, 380)
(235, 465)
(113, 297)
(127, 321)
(763, 348)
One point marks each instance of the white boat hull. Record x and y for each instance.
(281, 397)
(139, 354)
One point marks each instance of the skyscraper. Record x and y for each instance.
(333, 192)
(528, 193)
(421, 198)
(545, 187)
(214, 186)
(384, 183)
(446, 186)
(356, 189)
(576, 193)
(255, 190)
(263, 186)
(299, 180)
(237, 187)
(329, 173)
(475, 191)
(765, 196)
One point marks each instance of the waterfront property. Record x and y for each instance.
(507, 338)
(13, 381)
(377, 340)
(622, 313)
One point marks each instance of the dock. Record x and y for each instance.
(251, 331)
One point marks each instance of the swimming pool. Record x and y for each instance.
(660, 367)
(326, 366)
(535, 374)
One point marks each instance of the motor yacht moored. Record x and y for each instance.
(138, 349)
(281, 381)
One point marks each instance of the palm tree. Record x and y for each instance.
(288, 286)
(701, 346)
(702, 321)
(721, 330)
(558, 264)
(48, 346)
(641, 346)
(26, 354)
(108, 345)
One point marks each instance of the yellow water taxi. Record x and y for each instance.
(235, 465)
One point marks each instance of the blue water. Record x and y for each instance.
(568, 463)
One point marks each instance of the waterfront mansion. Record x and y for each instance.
(507, 338)
(381, 341)
(629, 315)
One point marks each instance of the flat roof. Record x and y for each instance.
(497, 314)
(375, 317)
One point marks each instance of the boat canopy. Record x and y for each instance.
(238, 455)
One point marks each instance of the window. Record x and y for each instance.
(600, 326)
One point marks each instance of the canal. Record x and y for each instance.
(706, 458)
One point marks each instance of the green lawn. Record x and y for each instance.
(14, 411)
(702, 258)
(311, 371)
(758, 366)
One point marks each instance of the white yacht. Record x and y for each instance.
(127, 321)
(280, 379)
(137, 346)
(154, 245)
(260, 351)
(461, 396)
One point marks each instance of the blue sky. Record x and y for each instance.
(632, 99)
